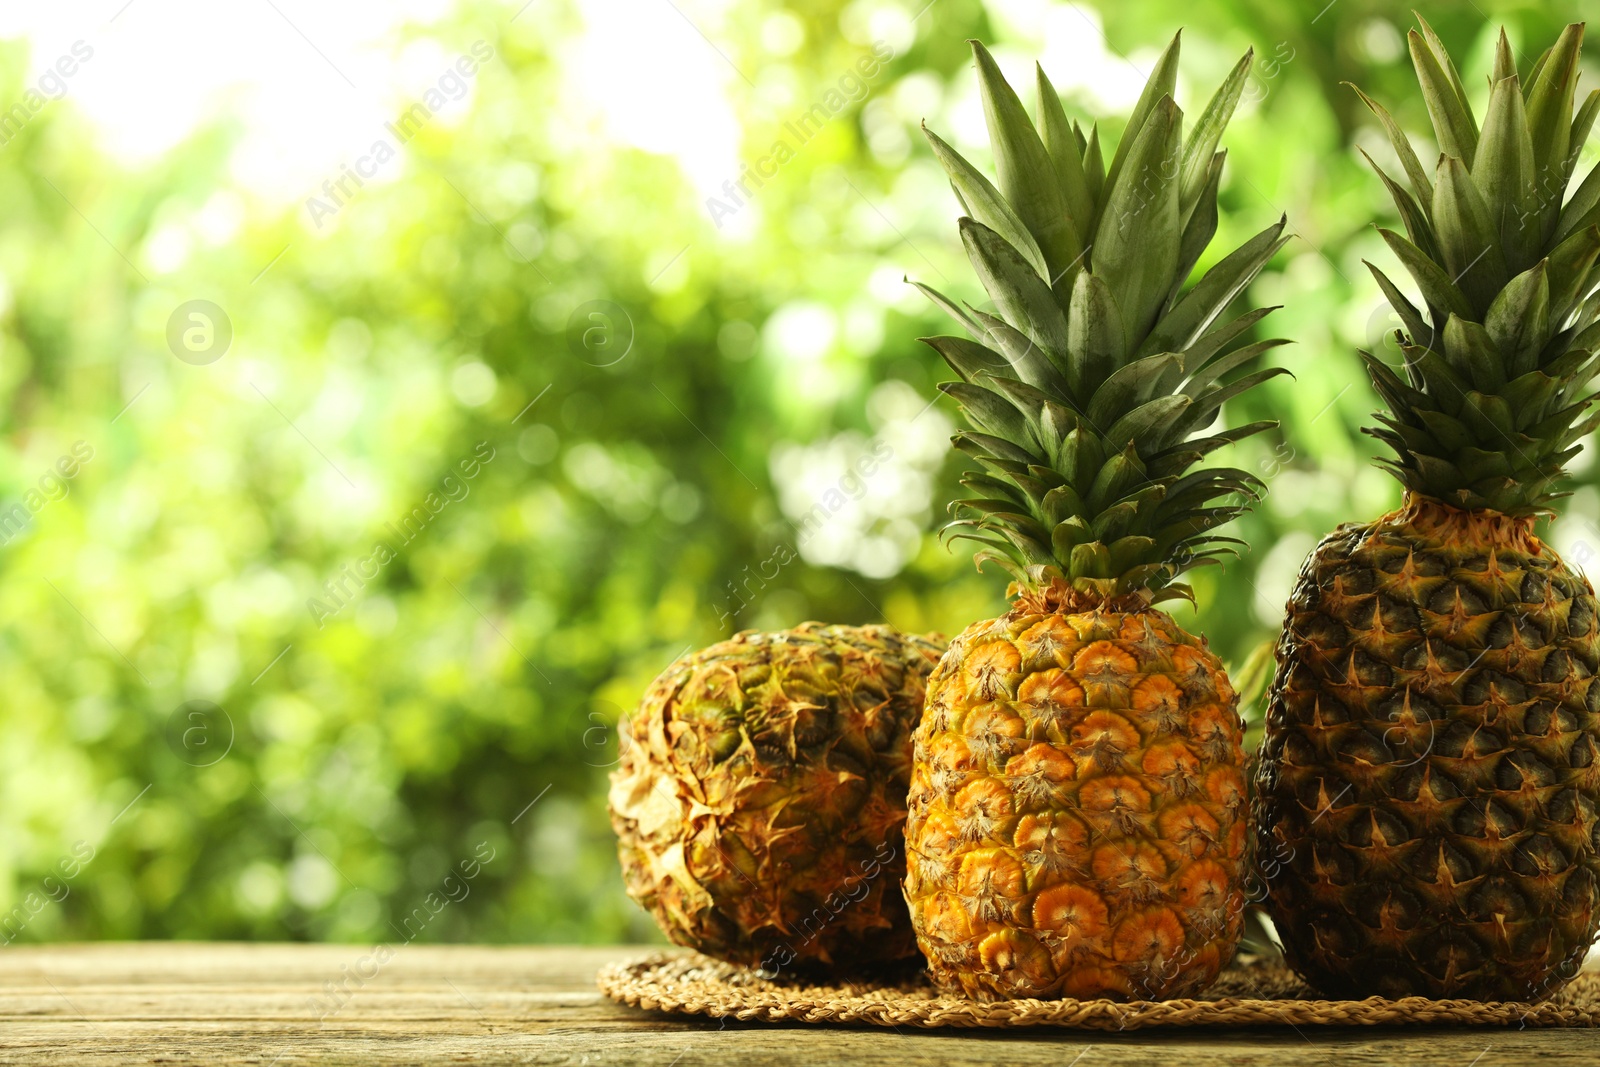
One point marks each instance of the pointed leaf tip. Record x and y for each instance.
(1019, 158)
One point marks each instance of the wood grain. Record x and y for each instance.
(267, 1005)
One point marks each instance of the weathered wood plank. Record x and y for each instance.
(183, 1003)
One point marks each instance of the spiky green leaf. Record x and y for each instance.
(1421, 183)
(1096, 339)
(983, 202)
(1504, 172)
(1518, 322)
(1136, 243)
(1022, 297)
(1453, 125)
(1020, 160)
(1163, 82)
(1066, 153)
(1469, 240)
(1207, 134)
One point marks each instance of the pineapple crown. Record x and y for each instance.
(1092, 388)
(1493, 400)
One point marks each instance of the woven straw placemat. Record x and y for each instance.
(1252, 995)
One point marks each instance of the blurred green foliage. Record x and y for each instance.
(635, 503)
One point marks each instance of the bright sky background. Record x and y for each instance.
(309, 83)
(163, 68)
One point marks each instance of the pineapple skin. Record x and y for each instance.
(760, 800)
(1077, 812)
(1428, 779)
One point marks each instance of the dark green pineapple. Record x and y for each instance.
(1429, 776)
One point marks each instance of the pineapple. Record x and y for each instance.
(1429, 776)
(760, 800)
(1077, 803)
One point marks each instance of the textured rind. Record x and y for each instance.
(1427, 784)
(759, 804)
(1077, 812)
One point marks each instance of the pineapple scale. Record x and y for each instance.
(1428, 782)
(1077, 811)
(759, 802)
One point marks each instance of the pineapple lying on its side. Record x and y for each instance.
(760, 802)
(1078, 800)
(1429, 776)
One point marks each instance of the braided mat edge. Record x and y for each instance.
(1252, 995)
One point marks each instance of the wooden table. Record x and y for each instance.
(188, 1003)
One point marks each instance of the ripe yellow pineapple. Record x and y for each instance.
(1430, 773)
(761, 797)
(1077, 804)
